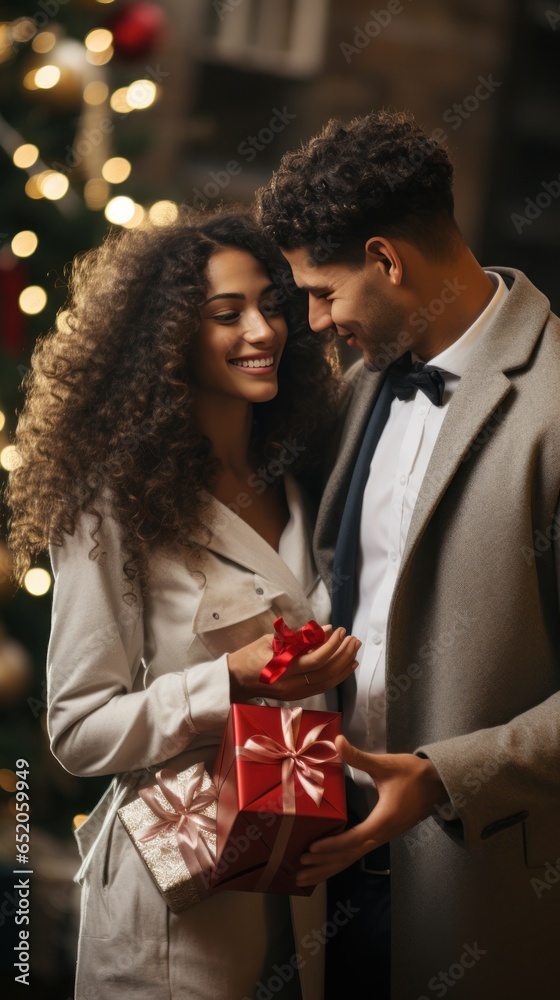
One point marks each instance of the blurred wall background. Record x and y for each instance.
(112, 110)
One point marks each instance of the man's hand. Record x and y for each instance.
(409, 788)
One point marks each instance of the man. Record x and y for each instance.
(438, 533)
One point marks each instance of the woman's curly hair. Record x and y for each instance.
(379, 175)
(109, 410)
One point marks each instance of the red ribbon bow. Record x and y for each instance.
(289, 643)
(184, 818)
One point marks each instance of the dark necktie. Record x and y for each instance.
(406, 376)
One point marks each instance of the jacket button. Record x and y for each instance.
(259, 590)
(215, 614)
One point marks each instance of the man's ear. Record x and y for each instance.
(382, 251)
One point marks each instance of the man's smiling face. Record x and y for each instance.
(354, 300)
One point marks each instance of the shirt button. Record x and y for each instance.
(421, 410)
(259, 590)
(215, 614)
(393, 556)
(376, 638)
(403, 480)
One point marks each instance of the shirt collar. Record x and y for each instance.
(455, 358)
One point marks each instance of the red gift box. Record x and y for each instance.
(280, 787)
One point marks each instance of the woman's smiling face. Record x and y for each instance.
(243, 329)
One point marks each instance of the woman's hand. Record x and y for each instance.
(308, 674)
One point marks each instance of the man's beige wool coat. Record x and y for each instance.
(473, 669)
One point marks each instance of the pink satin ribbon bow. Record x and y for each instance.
(289, 643)
(295, 761)
(185, 818)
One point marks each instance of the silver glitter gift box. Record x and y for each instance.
(173, 826)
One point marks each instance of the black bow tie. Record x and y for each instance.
(406, 376)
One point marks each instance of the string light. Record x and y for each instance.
(120, 210)
(141, 94)
(26, 155)
(53, 185)
(10, 458)
(100, 58)
(98, 40)
(136, 219)
(43, 42)
(116, 170)
(32, 300)
(96, 194)
(23, 29)
(7, 780)
(24, 244)
(163, 212)
(2, 420)
(32, 189)
(119, 102)
(29, 80)
(37, 581)
(96, 92)
(47, 77)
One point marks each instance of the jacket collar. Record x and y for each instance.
(291, 568)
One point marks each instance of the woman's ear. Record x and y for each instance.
(382, 251)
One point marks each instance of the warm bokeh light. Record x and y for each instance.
(24, 244)
(26, 155)
(44, 41)
(100, 58)
(163, 212)
(32, 188)
(120, 210)
(96, 194)
(116, 170)
(23, 29)
(47, 77)
(81, 817)
(98, 40)
(96, 92)
(141, 94)
(37, 581)
(29, 80)
(6, 49)
(119, 102)
(7, 780)
(32, 300)
(2, 420)
(10, 458)
(53, 185)
(136, 219)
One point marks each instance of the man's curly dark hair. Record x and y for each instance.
(109, 410)
(381, 175)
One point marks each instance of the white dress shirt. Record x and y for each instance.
(395, 477)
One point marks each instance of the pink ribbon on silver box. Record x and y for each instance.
(184, 819)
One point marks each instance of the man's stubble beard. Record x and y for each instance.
(382, 338)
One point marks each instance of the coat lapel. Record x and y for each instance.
(505, 347)
(235, 540)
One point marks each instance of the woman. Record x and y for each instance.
(158, 443)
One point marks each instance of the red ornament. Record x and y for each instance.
(137, 29)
